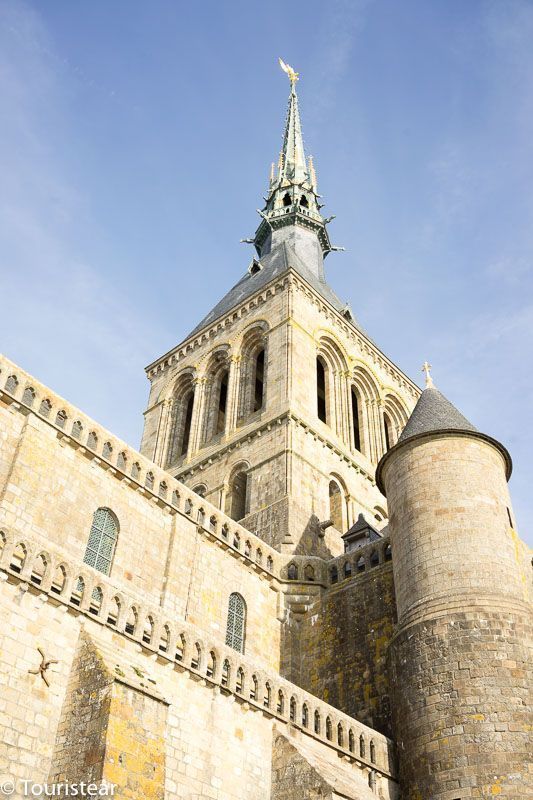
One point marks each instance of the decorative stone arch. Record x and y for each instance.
(395, 416)
(338, 502)
(252, 355)
(217, 393)
(182, 395)
(237, 491)
(380, 514)
(364, 399)
(332, 367)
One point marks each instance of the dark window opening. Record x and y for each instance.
(388, 431)
(355, 416)
(187, 426)
(222, 403)
(287, 200)
(321, 390)
(335, 505)
(259, 380)
(303, 201)
(238, 490)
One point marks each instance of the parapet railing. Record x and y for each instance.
(307, 569)
(134, 469)
(85, 591)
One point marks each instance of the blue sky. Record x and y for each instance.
(135, 145)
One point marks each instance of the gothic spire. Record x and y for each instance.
(291, 215)
(293, 168)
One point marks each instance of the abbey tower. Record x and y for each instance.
(308, 584)
(278, 406)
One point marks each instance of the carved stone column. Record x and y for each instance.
(232, 403)
(198, 414)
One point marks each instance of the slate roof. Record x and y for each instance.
(273, 265)
(434, 412)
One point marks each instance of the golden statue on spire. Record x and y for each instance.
(293, 76)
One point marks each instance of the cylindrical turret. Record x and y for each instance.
(459, 658)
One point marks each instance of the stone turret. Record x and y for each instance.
(459, 656)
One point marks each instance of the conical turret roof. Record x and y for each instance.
(434, 412)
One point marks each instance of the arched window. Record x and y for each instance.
(292, 572)
(222, 402)
(292, 710)
(305, 715)
(321, 390)
(102, 541)
(361, 564)
(374, 558)
(356, 423)
(77, 429)
(287, 200)
(107, 450)
(45, 408)
(304, 202)
(182, 410)
(351, 742)
(347, 569)
(388, 431)
(12, 383)
(340, 735)
(259, 380)
(334, 575)
(388, 553)
(186, 435)
(372, 751)
(317, 722)
(235, 630)
(362, 746)
(92, 440)
(61, 418)
(309, 573)
(236, 498)
(335, 505)
(29, 396)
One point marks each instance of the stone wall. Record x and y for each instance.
(341, 645)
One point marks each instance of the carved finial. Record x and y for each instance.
(427, 369)
(293, 76)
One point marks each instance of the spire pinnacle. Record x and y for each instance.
(429, 380)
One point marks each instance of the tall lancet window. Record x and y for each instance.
(388, 431)
(187, 424)
(259, 380)
(222, 403)
(335, 505)
(102, 541)
(356, 420)
(237, 496)
(235, 630)
(321, 390)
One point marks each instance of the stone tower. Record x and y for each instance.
(277, 406)
(459, 656)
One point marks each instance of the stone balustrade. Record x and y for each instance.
(138, 472)
(85, 591)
